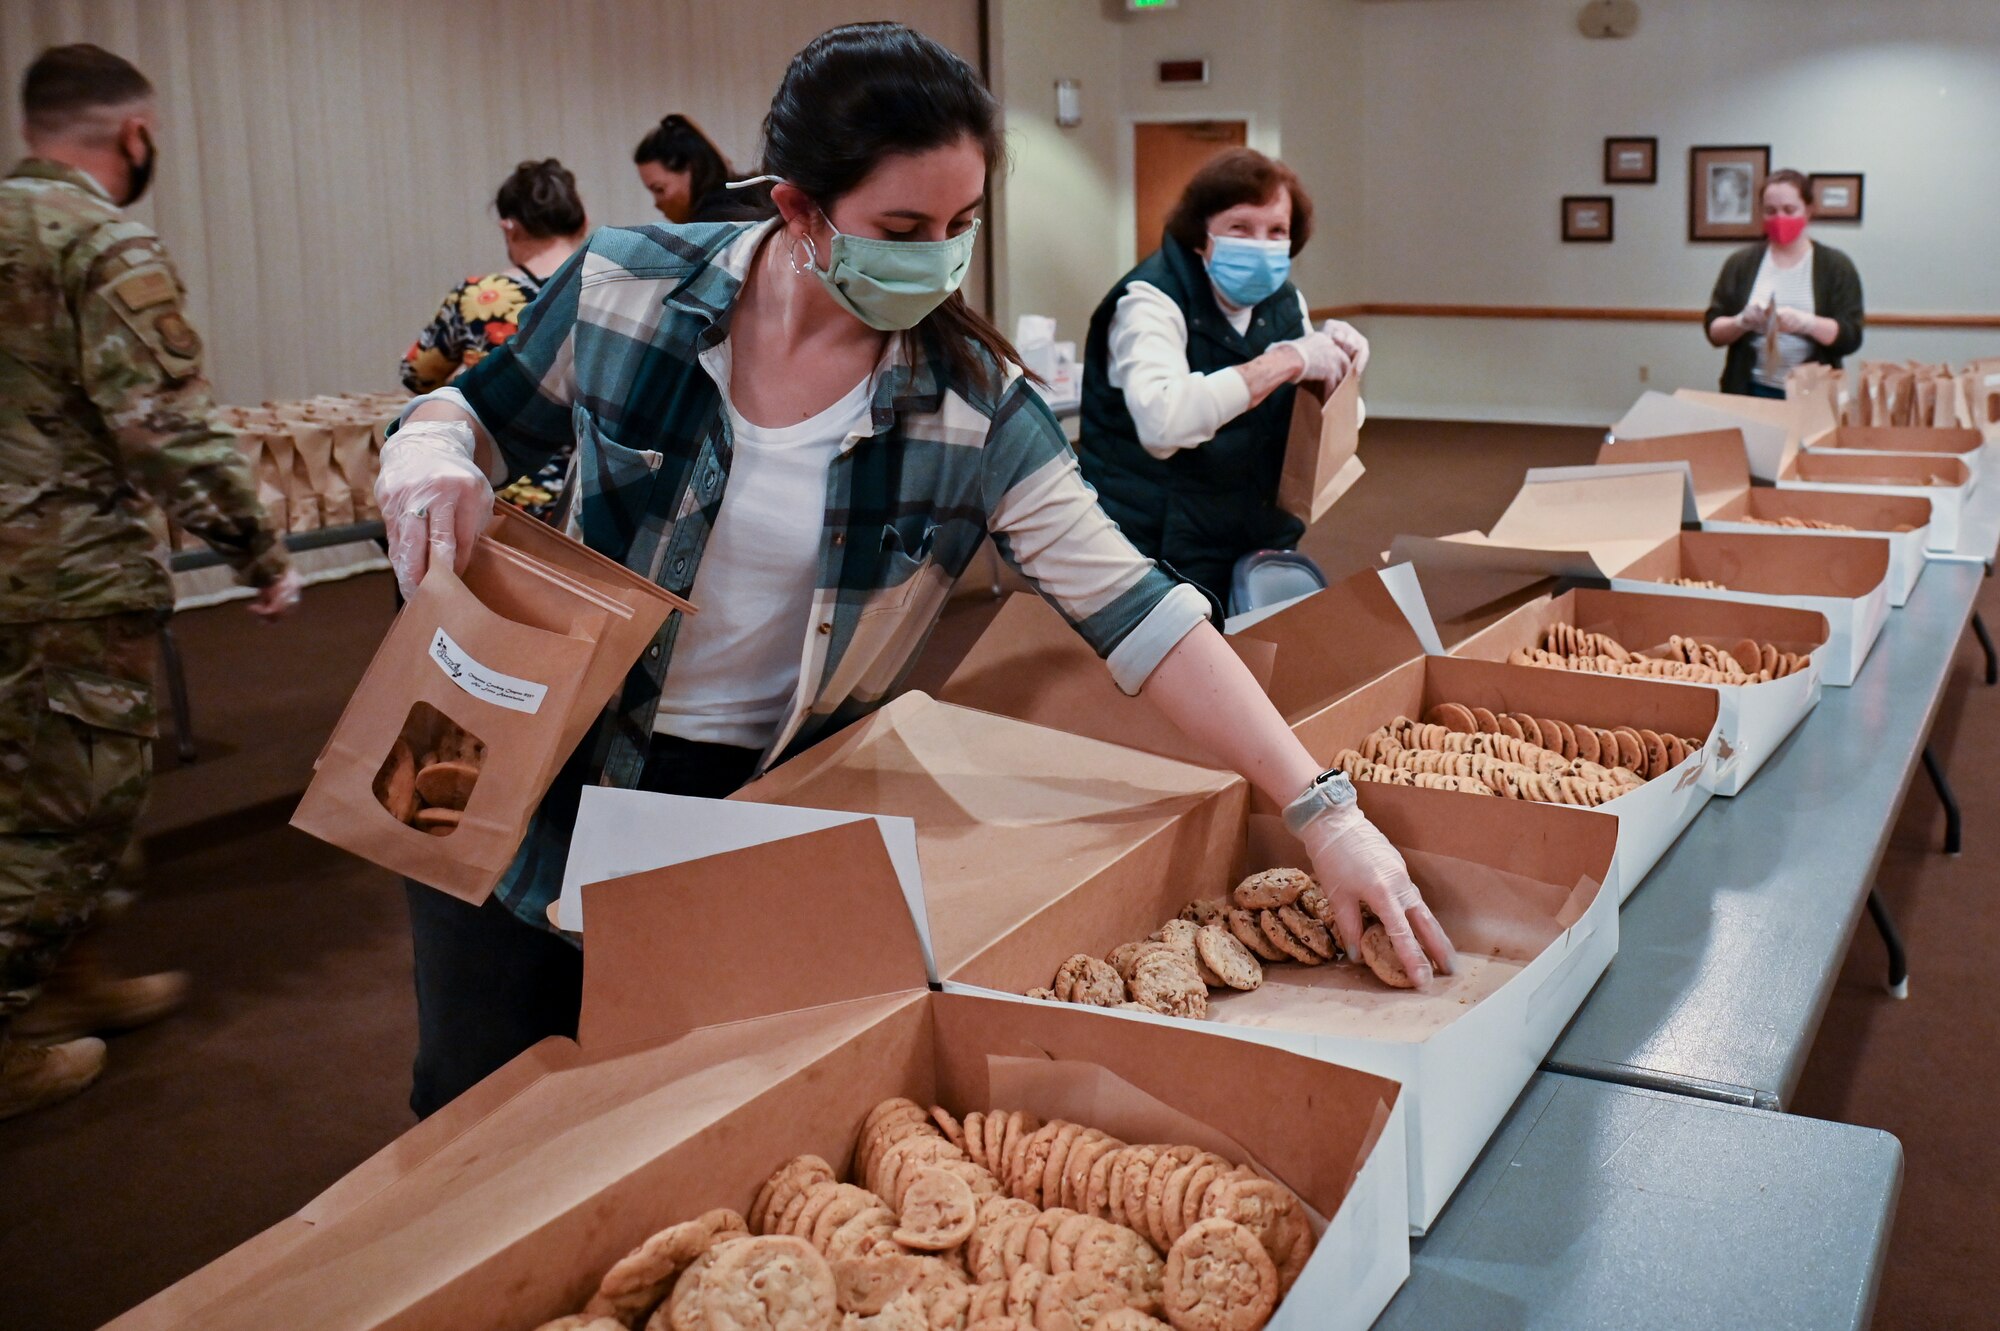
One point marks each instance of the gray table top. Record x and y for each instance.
(1728, 951)
(1610, 1206)
(1979, 523)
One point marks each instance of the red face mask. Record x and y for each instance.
(1784, 230)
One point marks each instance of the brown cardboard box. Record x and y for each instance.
(1754, 718)
(711, 1053)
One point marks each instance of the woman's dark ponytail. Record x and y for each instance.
(865, 91)
(678, 144)
(541, 197)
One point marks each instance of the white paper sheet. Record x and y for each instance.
(621, 832)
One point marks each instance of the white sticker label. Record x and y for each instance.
(518, 695)
(1993, 381)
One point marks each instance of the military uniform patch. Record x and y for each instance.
(142, 291)
(177, 334)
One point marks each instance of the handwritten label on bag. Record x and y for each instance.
(518, 695)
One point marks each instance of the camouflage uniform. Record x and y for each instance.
(106, 425)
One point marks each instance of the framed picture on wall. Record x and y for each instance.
(1586, 218)
(1631, 161)
(1725, 190)
(1836, 196)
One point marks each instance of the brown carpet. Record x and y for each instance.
(291, 1064)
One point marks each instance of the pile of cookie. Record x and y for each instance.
(1278, 915)
(999, 1222)
(1566, 647)
(1480, 752)
(1704, 583)
(1804, 524)
(430, 772)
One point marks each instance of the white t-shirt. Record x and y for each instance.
(737, 662)
(1172, 406)
(1793, 287)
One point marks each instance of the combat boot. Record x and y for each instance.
(35, 1075)
(81, 999)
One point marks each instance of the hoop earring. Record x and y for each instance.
(812, 255)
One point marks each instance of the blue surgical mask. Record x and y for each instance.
(1248, 271)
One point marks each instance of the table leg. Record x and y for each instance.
(1950, 802)
(1899, 971)
(177, 694)
(1986, 645)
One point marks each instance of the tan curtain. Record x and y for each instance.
(327, 167)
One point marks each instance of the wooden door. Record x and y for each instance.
(1165, 156)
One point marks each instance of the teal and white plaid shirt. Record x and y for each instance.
(624, 351)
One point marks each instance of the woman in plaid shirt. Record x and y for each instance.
(801, 425)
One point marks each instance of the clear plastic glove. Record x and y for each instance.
(434, 498)
(1793, 321)
(1324, 360)
(1356, 866)
(1755, 318)
(280, 598)
(1349, 339)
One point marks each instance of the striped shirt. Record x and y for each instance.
(1791, 288)
(625, 353)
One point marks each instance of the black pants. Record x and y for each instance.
(489, 985)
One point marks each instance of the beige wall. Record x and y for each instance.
(327, 167)
(1067, 206)
(1439, 135)
(1480, 114)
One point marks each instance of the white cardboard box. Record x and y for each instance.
(1755, 718)
(1774, 435)
(1724, 500)
(1623, 524)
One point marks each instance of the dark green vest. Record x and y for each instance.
(1203, 508)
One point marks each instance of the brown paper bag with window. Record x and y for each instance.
(484, 685)
(1321, 462)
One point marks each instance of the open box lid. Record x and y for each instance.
(1577, 522)
(677, 1033)
(1718, 469)
(1768, 445)
(1005, 810)
(1031, 665)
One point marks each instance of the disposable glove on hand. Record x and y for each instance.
(1756, 318)
(1349, 339)
(1323, 357)
(1356, 866)
(1790, 320)
(280, 598)
(434, 498)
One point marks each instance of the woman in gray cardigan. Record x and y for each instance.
(1784, 301)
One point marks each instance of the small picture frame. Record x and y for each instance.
(1726, 191)
(1836, 196)
(1631, 161)
(1586, 218)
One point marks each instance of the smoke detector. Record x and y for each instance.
(1608, 18)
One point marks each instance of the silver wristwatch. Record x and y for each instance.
(1329, 790)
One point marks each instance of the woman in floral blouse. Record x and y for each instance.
(542, 218)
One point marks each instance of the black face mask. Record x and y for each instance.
(141, 173)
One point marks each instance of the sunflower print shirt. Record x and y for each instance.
(478, 316)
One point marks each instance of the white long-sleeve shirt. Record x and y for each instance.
(1172, 406)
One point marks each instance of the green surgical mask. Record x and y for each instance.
(892, 284)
